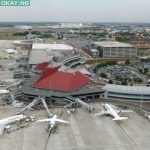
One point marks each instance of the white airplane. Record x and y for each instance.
(53, 121)
(2, 92)
(113, 111)
(7, 121)
(11, 51)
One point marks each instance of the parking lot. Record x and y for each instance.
(142, 65)
(85, 132)
(119, 72)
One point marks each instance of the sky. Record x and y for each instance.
(79, 11)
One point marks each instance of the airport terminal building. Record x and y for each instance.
(61, 85)
(127, 92)
(115, 50)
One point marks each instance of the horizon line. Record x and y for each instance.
(127, 22)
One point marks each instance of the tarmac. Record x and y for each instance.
(85, 132)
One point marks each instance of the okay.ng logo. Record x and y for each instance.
(14, 2)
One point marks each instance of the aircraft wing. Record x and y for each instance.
(102, 113)
(124, 111)
(2, 127)
(120, 118)
(44, 120)
(61, 121)
(4, 92)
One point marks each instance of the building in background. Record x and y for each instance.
(115, 49)
(52, 47)
(42, 52)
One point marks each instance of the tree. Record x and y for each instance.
(118, 78)
(127, 62)
(140, 80)
(110, 81)
(124, 82)
(137, 80)
(131, 84)
(145, 70)
(103, 75)
(95, 69)
(141, 70)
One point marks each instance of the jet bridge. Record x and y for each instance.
(35, 102)
(46, 107)
(71, 103)
(85, 105)
(14, 84)
(76, 102)
(10, 97)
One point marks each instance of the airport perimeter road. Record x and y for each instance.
(85, 132)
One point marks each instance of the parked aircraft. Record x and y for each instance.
(53, 121)
(113, 111)
(2, 92)
(7, 121)
(11, 51)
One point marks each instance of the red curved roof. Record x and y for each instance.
(61, 81)
(41, 66)
(44, 67)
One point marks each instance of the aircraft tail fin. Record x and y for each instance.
(120, 118)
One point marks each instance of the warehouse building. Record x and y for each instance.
(37, 56)
(42, 52)
(115, 49)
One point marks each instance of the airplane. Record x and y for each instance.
(7, 121)
(11, 51)
(53, 121)
(113, 111)
(2, 92)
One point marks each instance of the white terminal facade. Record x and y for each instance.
(52, 47)
(42, 52)
(110, 49)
